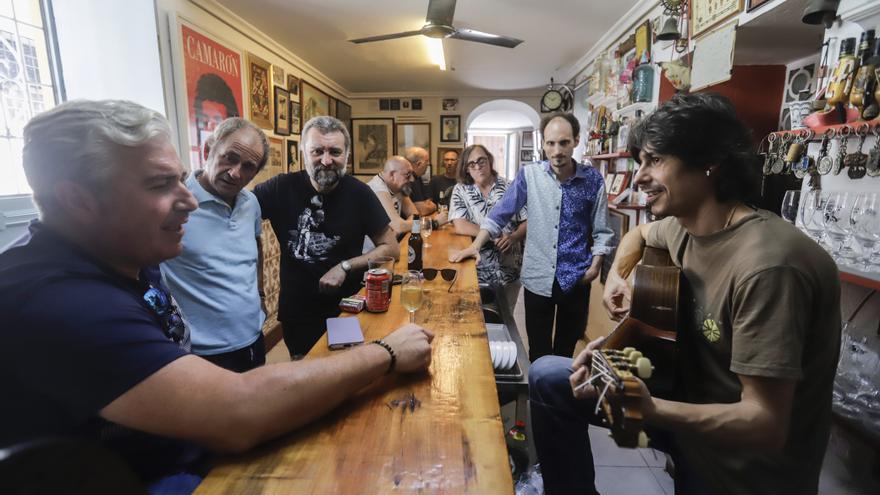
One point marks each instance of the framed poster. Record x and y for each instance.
(372, 143)
(343, 113)
(643, 41)
(754, 4)
(314, 102)
(528, 139)
(259, 91)
(282, 111)
(295, 118)
(276, 163)
(450, 128)
(278, 76)
(526, 155)
(293, 87)
(213, 86)
(293, 156)
(706, 14)
(609, 180)
(409, 135)
(450, 104)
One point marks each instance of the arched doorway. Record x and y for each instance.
(507, 128)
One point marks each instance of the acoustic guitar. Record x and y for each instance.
(643, 344)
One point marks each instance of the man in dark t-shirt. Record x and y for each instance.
(320, 216)
(93, 346)
(420, 160)
(441, 185)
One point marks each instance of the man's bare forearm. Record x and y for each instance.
(630, 251)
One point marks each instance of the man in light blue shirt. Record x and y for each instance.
(567, 239)
(216, 278)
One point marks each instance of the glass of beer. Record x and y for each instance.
(411, 293)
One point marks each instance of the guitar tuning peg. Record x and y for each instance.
(643, 440)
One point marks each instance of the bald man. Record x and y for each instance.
(420, 160)
(393, 187)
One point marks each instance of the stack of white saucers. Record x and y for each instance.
(503, 354)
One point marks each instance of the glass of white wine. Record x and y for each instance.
(411, 293)
(427, 228)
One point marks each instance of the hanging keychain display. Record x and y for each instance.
(842, 141)
(806, 163)
(855, 162)
(872, 164)
(824, 163)
(779, 158)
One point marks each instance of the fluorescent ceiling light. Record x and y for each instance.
(435, 52)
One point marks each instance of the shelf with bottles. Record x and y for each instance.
(611, 156)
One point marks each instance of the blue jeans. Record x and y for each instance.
(559, 425)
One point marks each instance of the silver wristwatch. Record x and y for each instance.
(346, 266)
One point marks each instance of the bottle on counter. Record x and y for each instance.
(414, 250)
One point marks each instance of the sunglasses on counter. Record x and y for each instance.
(448, 274)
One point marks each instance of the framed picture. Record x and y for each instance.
(450, 128)
(528, 139)
(332, 108)
(754, 4)
(295, 118)
(259, 91)
(282, 111)
(278, 76)
(293, 156)
(450, 104)
(609, 181)
(213, 91)
(643, 41)
(276, 162)
(526, 155)
(343, 113)
(706, 14)
(413, 135)
(621, 182)
(314, 102)
(293, 87)
(372, 143)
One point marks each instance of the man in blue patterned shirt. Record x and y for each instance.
(567, 239)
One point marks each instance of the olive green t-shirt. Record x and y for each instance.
(766, 303)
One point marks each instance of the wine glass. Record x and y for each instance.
(427, 228)
(411, 293)
(790, 204)
(812, 215)
(865, 222)
(837, 224)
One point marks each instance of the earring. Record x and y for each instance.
(708, 172)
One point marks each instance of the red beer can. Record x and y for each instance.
(378, 290)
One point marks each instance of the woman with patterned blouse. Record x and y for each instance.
(479, 188)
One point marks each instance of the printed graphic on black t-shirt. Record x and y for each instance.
(308, 242)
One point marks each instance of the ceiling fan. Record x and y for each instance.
(438, 24)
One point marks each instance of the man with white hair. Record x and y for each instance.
(420, 160)
(219, 267)
(93, 345)
(393, 186)
(321, 216)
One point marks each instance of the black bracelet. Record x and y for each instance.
(388, 348)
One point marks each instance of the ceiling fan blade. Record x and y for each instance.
(489, 39)
(440, 12)
(382, 37)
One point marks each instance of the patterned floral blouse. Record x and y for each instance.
(467, 202)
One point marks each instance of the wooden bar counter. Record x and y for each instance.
(453, 443)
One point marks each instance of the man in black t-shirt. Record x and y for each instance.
(444, 183)
(321, 216)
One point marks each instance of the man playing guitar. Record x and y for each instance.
(757, 345)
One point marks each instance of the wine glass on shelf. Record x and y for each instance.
(427, 229)
(790, 204)
(865, 222)
(812, 214)
(411, 293)
(837, 225)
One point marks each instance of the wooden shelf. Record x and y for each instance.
(627, 206)
(836, 127)
(858, 277)
(611, 156)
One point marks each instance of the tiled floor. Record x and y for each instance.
(628, 471)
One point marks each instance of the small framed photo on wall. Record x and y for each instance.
(292, 156)
(450, 128)
(282, 111)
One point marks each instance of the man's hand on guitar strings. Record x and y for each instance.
(617, 296)
(580, 379)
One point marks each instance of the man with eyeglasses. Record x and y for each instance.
(321, 216)
(566, 241)
(220, 266)
(93, 346)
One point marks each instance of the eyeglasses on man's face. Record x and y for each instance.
(479, 163)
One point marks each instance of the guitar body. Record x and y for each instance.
(652, 323)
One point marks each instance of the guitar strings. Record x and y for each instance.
(601, 396)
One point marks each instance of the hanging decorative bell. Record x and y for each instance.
(670, 30)
(821, 12)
